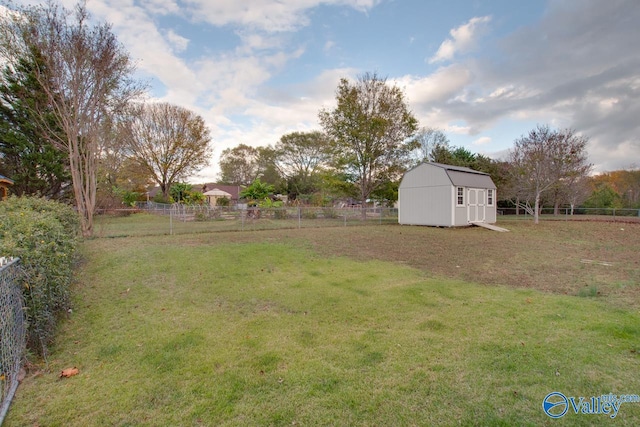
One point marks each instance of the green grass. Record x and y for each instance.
(260, 329)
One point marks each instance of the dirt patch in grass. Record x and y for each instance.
(563, 257)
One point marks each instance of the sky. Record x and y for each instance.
(485, 72)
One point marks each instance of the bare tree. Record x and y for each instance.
(428, 142)
(169, 142)
(542, 160)
(86, 75)
(578, 190)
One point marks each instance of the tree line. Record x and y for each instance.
(74, 125)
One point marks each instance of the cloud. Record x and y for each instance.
(463, 39)
(179, 43)
(266, 15)
(436, 88)
(577, 67)
(482, 140)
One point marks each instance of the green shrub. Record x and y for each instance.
(309, 213)
(329, 213)
(223, 201)
(44, 235)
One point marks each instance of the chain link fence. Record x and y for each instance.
(154, 219)
(12, 331)
(567, 213)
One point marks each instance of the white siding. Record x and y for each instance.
(424, 197)
(492, 211)
(425, 206)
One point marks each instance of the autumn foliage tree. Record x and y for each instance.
(369, 130)
(168, 142)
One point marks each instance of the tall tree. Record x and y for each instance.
(169, 142)
(118, 172)
(239, 165)
(542, 160)
(428, 143)
(34, 164)
(86, 76)
(300, 158)
(369, 129)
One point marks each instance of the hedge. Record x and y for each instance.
(44, 234)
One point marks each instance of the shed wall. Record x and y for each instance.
(425, 206)
(425, 198)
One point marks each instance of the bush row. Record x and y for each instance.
(44, 234)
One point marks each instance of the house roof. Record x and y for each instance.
(233, 190)
(465, 177)
(217, 192)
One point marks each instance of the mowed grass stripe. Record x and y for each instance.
(275, 334)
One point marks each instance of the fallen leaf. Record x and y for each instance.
(69, 372)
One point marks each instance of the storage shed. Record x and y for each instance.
(446, 196)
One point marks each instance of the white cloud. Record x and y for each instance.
(179, 43)
(266, 15)
(482, 141)
(446, 82)
(161, 7)
(463, 39)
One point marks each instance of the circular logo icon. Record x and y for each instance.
(555, 404)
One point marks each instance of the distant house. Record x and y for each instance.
(446, 196)
(215, 194)
(5, 183)
(233, 191)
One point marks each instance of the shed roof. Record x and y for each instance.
(5, 180)
(465, 177)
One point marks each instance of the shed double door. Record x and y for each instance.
(476, 206)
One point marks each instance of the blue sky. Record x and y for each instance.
(485, 72)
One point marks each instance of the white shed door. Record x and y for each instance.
(476, 205)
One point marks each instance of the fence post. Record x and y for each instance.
(299, 217)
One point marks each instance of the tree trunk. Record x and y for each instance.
(536, 211)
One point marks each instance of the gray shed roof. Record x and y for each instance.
(465, 177)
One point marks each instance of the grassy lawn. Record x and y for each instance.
(381, 326)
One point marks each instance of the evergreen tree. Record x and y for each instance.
(28, 158)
